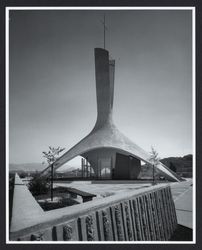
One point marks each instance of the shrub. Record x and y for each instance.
(63, 202)
(39, 185)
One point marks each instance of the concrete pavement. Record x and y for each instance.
(183, 198)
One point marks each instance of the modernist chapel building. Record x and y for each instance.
(105, 146)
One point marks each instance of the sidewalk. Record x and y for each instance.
(183, 198)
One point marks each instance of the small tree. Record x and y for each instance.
(51, 156)
(39, 183)
(154, 159)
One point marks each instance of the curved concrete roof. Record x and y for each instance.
(110, 137)
(105, 134)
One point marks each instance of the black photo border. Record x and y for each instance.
(101, 3)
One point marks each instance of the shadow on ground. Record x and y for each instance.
(182, 234)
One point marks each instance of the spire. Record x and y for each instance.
(104, 29)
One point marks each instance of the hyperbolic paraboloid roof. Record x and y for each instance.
(105, 134)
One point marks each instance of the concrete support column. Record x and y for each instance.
(104, 73)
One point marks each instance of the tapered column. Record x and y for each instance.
(104, 72)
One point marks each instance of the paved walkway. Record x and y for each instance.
(183, 197)
(103, 190)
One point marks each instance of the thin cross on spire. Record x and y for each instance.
(104, 28)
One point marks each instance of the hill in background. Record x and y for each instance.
(26, 167)
(33, 167)
(181, 165)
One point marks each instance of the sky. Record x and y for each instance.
(52, 95)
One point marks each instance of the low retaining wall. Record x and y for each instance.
(141, 215)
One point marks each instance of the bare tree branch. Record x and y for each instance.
(52, 153)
